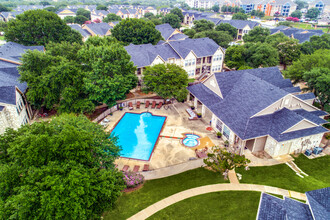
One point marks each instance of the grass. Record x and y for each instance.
(191, 80)
(158, 189)
(307, 26)
(2, 37)
(282, 176)
(219, 205)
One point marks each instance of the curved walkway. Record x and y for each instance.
(149, 211)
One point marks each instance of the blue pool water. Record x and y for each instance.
(191, 140)
(137, 134)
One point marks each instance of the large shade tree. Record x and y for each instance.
(289, 51)
(235, 56)
(166, 80)
(257, 34)
(136, 31)
(62, 169)
(318, 81)
(222, 38)
(111, 17)
(173, 20)
(203, 25)
(39, 27)
(227, 27)
(261, 55)
(177, 12)
(312, 13)
(239, 16)
(320, 58)
(316, 43)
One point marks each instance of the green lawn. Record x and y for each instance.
(2, 38)
(282, 176)
(307, 26)
(155, 190)
(219, 205)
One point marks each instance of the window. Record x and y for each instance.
(191, 73)
(219, 125)
(226, 131)
(217, 57)
(190, 62)
(216, 68)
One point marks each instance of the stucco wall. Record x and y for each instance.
(192, 67)
(217, 62)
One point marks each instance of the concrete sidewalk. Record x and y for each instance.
(149, 211)
(172, 170)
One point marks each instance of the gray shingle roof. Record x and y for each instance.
(78, 28)
(143, 55)
(292, 89)
(301, 35)
(202, 47)
(240, 24)
(166, 30)
(306, 96)
(13, 51)
(320, 113)
(178, 37)
(8, 95)
(246, 93)
(319, 201)
(99, 28)
(274, 208)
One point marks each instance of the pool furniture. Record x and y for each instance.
(138, 104)
(201, 154)
(153, 104)
(317, 150)
(145, 167)
(136, 168)
(159, 105)
(308, 152)
(192, 114)
(125, 168)
(130, 105)
(147, 104)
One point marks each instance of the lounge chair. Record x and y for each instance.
(138, 104)
(159, 105)
(125, 168)
(153, 104)
(136, 168)
(147, 104)
(200, 154)
(130, 105)
(145, 167)
(192, 114)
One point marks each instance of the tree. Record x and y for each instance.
(102, 7)
(80, 19)
(235, 56)
(316, 43)
(221, 161)
(69, 19)
(261, 54)
(39, 27)
(285, 23)
(149, 15)
(111, 17)
(189, 32)
(239, 16)
(276, 39)
(318, 81)
(61, 169)
(320, 58)
(44, 3)
(156, 21)
(52, 9)
(312, 13)
(178, 12)
(227, 27)
(296, 14)
(3, 26)
(257, 34)
(289, 51)
(258, 13)
(166, 80)
(222, 38)
(84, 13)
(136, 31)
(203, 25)
(110, 73)
(215, 8)
(301, 4)
(245, 68)
(3, 8)
(173, 20)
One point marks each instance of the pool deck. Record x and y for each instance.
(169, 151)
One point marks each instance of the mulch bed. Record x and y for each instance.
(129, 190)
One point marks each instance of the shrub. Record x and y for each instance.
(133, 179)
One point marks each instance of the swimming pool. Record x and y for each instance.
(137, 134)
(191, 140)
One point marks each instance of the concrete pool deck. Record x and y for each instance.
(169, 151)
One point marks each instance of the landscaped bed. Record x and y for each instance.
(158, 189)
(218, 205)
(283, 177)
